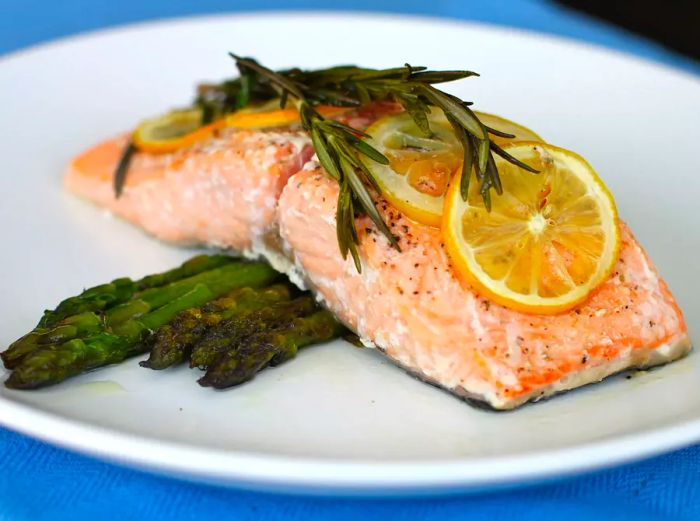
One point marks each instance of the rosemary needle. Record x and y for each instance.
(123, 168)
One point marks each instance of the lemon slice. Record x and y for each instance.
(268, 115)
(420, 168)
(173, 130)
(547, 242)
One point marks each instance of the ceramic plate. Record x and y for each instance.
(338, 419)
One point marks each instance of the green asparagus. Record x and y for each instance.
(220, 311)
(92, 299)
(230, 332)
(120, 290)
(173, 343)
(128, 336)
(100, 298)
(219, 278)
(80, 325)
(240, 363)
(193, 266)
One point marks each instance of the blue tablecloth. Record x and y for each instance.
(38, 481)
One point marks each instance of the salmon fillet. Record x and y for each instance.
(256, 192)
(410, 305)
(221, 192)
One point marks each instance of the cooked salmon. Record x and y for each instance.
(222, 192)
(261, 193)
(410, 305)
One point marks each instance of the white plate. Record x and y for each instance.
(338, 418)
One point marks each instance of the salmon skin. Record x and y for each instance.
(261, 193)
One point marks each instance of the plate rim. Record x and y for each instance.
(332, 475)
(321, 476)
(205, 18)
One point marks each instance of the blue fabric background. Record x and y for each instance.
(38, 481)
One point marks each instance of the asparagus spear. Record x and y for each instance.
(252, 274)
(54, 363)
(240, 364)
(191, 267)
(100, 298)
(49, 366)
(82, 324)
(173, 343)
(119, 290)
(232, 331)
(92, 299)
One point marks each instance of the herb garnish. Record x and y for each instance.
(123, 167)
(338, 146)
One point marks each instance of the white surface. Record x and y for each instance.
(337, 417)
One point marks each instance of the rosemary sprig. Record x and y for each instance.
(216, 101)
(339, 148)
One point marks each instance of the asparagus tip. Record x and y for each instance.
(156, 364)
(15, 381)
(205, 382)
(209, 380)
